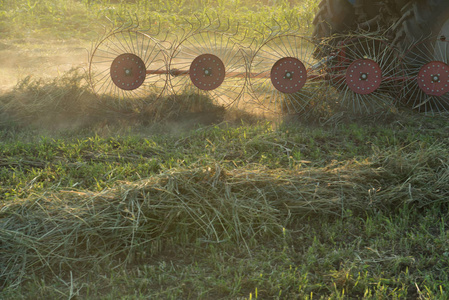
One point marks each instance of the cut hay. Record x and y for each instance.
(66, 102)
(60, 231)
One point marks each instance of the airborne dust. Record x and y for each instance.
(39, 59)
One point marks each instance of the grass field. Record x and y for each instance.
(100, 203)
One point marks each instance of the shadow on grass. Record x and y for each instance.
(67, 103)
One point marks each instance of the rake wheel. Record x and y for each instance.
(427, 67)
(208, 64)
(128, 64)
(367, 75)
(282, 75)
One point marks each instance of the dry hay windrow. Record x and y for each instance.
(64, 230)
(66, 102)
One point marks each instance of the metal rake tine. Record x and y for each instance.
(159, 28)
(192, 28)
(253, 41)
(217, 28)
(209, 20)
(236, 33)
(131, 21)
(289, 23)
(165, 39)
(262, 34)
(269, 28)
(107, 18)
(200, 23)
(124, 25)
(272, 30)
(128, 25)
(237, 28)
(228, 25)
(137, 21)
(149, 26)
(279, 25)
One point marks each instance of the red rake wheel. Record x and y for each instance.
(288, 75)
(128, 71)
(427, 69)
(208, 65)
(128, 64)
(207, 72)
(363, 76)
(282, 76)
(433, 78)
(366, 75)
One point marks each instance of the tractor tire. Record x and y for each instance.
(422, 34)
(422, 20)
(333, 17)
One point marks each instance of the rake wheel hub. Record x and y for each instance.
(363, 76)
(207, 72)
(128, 71)
(433, 78)
(288, 75)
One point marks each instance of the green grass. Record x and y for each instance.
(113, 200)
(57, 19)
(116, 207)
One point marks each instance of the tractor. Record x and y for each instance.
(418, 31)
(403, 21)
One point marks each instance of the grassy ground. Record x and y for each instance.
(225, 207)
(115, 202)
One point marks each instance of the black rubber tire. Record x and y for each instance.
(421, 19)
(333, 17)
(416, 34)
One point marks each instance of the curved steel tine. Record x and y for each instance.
(234, 34)
(132, 44)
(208, 20)
(149, 26)
(190, 23)
(226, 29)
(289, 24)
(213, 26)
(298, 26)
(159, 28)
(137, 20)
(165, 39)
(270, 28)
(261, 34)
(228, 26)
(252, 42)
(130, 23)
(279, 24)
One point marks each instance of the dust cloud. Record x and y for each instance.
(39, 59)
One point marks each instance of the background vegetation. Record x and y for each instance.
(79, 19)
(100, 203)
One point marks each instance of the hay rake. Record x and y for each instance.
(119, 65)
(208, 63)
(280, 74)
(429, 91)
